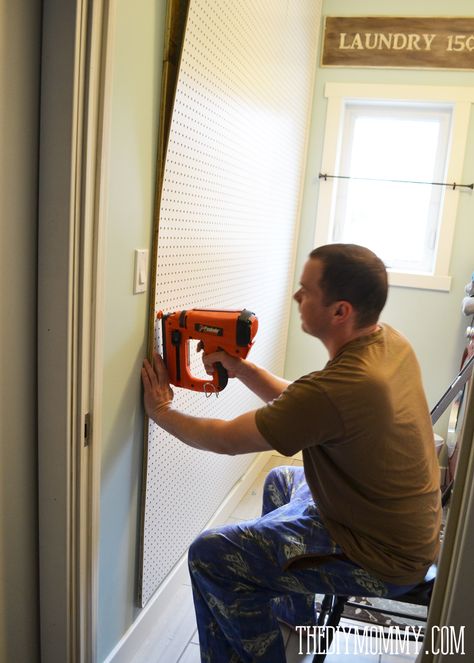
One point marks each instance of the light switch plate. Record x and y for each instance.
(141, 271)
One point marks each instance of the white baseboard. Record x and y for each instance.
(147, 624)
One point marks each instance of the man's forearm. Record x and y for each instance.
(263, 383)
(238, 436)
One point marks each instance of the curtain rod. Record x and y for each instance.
(325, 176)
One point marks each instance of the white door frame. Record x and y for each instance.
(74, 127)
(452, 592)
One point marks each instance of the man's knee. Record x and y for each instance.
(212, 545)
(277, 486)
(277, 476)
(273, 475)
(201, 546)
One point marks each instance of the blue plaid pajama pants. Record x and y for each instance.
(243, 581)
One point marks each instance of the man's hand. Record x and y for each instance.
(233, 365)
(259, 380)
(158, 393)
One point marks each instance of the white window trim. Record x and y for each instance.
(462, 98)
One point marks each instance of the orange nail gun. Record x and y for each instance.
(232, 331)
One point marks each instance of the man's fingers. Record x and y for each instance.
(160, 368)
(148, 369)
(146, 379)
(212, 357)
(151, 374)
(209, 361)
(158, 360)
(157, 373)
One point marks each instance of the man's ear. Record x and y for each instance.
(343, 311)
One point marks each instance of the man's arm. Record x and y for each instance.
(263, 383)
(238, 436)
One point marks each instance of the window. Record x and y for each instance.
(386, 146)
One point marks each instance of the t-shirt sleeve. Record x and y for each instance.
(302, 416)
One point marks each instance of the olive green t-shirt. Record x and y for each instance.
(368, 451)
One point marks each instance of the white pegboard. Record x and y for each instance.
(227, 233)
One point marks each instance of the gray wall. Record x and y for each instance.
(431, 320)
(137, 64)
(19, 101)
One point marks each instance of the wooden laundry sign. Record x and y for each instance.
(384, 41)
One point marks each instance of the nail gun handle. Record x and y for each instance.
(222, 375)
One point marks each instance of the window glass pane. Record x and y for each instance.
(399, 221)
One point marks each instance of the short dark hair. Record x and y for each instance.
(354, 274)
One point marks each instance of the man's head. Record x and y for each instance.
(355, 274)
(341, 280)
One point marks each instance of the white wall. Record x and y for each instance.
(137, 62)
(431, 320)
(20, 23)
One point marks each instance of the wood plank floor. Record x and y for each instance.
(181, 642)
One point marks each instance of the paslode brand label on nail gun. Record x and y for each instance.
(207, 329)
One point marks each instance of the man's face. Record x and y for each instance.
(315, 315)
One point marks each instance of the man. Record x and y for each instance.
(363, 518)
